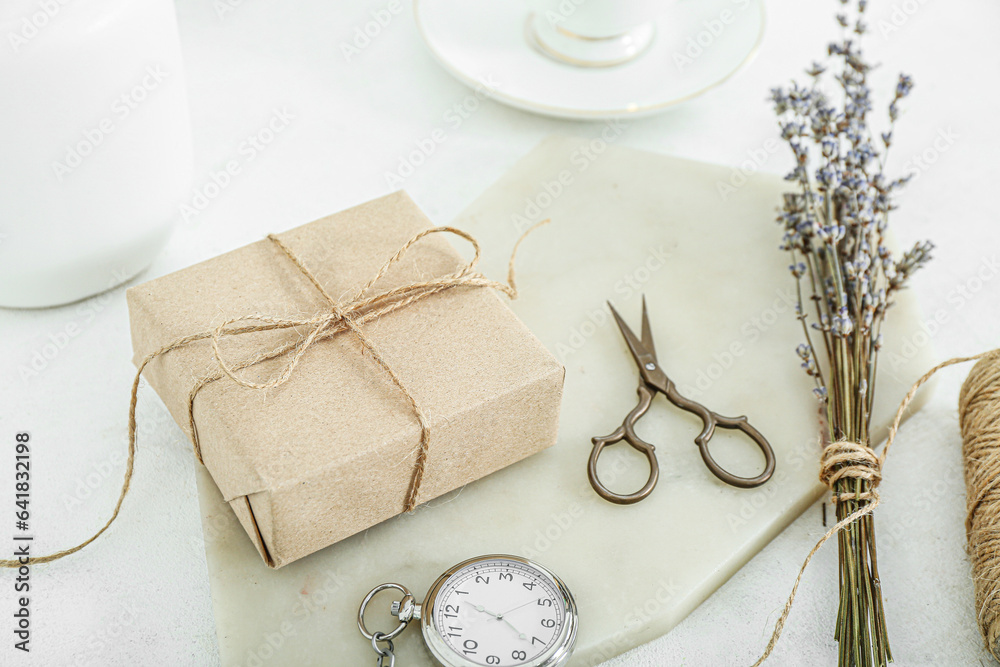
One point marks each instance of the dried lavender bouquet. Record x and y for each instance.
(834, 227)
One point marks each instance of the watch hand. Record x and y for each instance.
(500, 617)
(479, 607)
(518, 607)
(520, 635)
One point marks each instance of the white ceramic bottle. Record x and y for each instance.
(95, 144)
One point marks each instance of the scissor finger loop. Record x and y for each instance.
(626, 433)
(623, 498)
(710, 421)
(736, 424)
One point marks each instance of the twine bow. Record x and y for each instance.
(339, 316)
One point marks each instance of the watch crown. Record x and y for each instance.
(405, 610)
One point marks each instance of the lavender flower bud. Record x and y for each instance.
(904, 86)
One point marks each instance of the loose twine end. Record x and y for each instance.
(346, 315)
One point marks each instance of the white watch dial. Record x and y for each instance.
(499, 612)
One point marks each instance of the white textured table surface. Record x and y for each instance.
(140, 594)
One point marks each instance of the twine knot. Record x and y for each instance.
(348, 315)
(845, 459)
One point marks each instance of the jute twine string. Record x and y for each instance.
(345, 315)
(855, 460)
(979, 416)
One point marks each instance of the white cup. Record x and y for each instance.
(97, 144)
(594, 33)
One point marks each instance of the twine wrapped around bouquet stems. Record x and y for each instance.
(340, 316)
(979, 412)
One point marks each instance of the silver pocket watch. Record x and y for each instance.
(491, 610)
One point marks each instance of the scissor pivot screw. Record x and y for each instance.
(651, 366)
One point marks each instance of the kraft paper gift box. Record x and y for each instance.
(332, 450)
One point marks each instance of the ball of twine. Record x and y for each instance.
(979, 416)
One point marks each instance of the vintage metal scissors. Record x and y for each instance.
(653, 380)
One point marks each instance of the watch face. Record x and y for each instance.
(501, 611)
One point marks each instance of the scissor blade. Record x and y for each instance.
(635, 345)
(647, 334)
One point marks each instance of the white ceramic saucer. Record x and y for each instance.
(486, 45)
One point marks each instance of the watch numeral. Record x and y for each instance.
(462, 592)
(470, 646)
(548, 623)
(530, 585)
(544, 602)
(482, 580)
(536, 639)
(519, 655)
(506, 576)
(492, 660)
